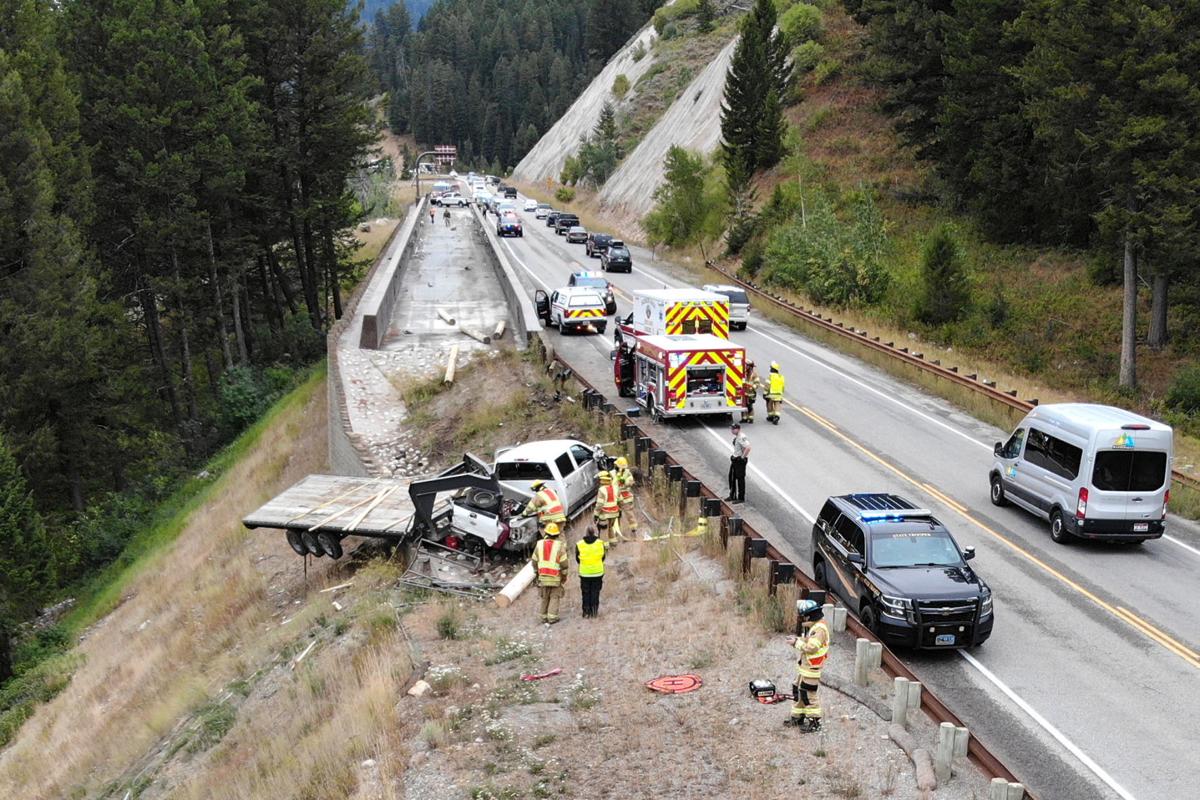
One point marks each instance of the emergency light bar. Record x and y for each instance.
(899, 513)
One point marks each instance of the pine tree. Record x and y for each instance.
(705, 14)
(751, 120)
(945, 291)
(25, 567)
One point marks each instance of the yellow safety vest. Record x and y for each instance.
(591, 558)
(814, 648)
(606, 500)
(775, 389)
(550, 556)
(550, 508)
(625, 481)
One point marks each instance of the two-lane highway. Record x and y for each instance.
(1088, 686)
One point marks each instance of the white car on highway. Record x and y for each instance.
(543, 210)
(531, 205)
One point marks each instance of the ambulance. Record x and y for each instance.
(669, 312)
(682, 375)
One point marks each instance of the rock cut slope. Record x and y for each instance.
(546, 158)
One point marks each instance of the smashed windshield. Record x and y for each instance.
(913, 548)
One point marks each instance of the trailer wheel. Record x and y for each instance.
(330, 544)
(297, 543)
(311, 544)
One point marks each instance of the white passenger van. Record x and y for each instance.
(1095, 472)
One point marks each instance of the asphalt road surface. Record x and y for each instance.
(1088, 686)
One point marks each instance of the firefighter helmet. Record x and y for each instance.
(622, 463)
(809, 609)
(604, 476)
(552, 529)
(537, 484)
(775, 366)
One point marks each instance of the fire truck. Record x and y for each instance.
(682, 375)
(669, 312)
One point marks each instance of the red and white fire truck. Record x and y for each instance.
(670, 312)
(682, 375)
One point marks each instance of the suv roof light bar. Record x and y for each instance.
(900, 513)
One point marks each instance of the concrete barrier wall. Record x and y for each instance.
(383, 289)
(346, 457)
(522, 316)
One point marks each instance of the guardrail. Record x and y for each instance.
(378, 313)
(1006, 398)
(656, 456)
(524, 317)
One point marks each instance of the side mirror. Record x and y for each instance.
(998, 448)
(968, 553)
(855, 558)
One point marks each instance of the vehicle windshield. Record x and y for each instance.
(543, 205)
(618, 252)
(914, 548)
(1129, 470)
(585, 300)
(577, 229)
(587, 280)
(522, 471)
(736, 296)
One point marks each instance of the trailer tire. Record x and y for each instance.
(311, 544)
(297, 543)
(330, 544)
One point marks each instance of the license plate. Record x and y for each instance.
(944, 638)
(1141, 527)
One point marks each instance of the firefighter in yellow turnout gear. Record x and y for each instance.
(608, 508)
(625, 483)
(774, 394)
(813, 649)
(751, 385)
(546, 504)
(550, 562)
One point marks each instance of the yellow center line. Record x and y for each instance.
(1124, 615)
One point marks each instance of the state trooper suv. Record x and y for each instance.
(901, 571)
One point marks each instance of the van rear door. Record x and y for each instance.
(1131, 475)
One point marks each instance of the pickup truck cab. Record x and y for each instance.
(568, 466)
(572, 308)
(453, 199)
(899, 569)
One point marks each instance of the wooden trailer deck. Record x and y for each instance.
(340, 505)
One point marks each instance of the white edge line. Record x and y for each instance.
(1184, 545)
(761, 476)
(1058, 735)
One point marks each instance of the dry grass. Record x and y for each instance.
(198, 615)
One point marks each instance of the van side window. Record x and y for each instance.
(565, 467)
(1053, 454)
(1012, 448)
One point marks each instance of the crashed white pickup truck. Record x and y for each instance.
(484, 511)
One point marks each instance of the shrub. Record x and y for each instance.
(639, 52)
(620, 85)
(670, 31)
(564, 194)
(449, 624)
(213, 720)
(808, 55)
(801, 22)
(827, 70)
(664, 16)
(945, 291)
(1184, 392)
(833, 262)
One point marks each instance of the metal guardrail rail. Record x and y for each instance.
(939, 712)
(933, 366)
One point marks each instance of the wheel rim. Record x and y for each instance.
(995, 490)
(1056, 527)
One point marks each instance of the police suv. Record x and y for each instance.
(900, 570)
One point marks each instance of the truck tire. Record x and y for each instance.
(1058, 528)
(819, 574)
(868, 618)
(330, 544)
(311, 544)
(297, 543)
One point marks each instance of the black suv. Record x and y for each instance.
(616, 258)
(597, 243)
(901, 571)
(552, 218)
(564, 223)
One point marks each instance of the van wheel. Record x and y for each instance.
(1058, 528)
(998, 498)
(819, 575)
(867, 617)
